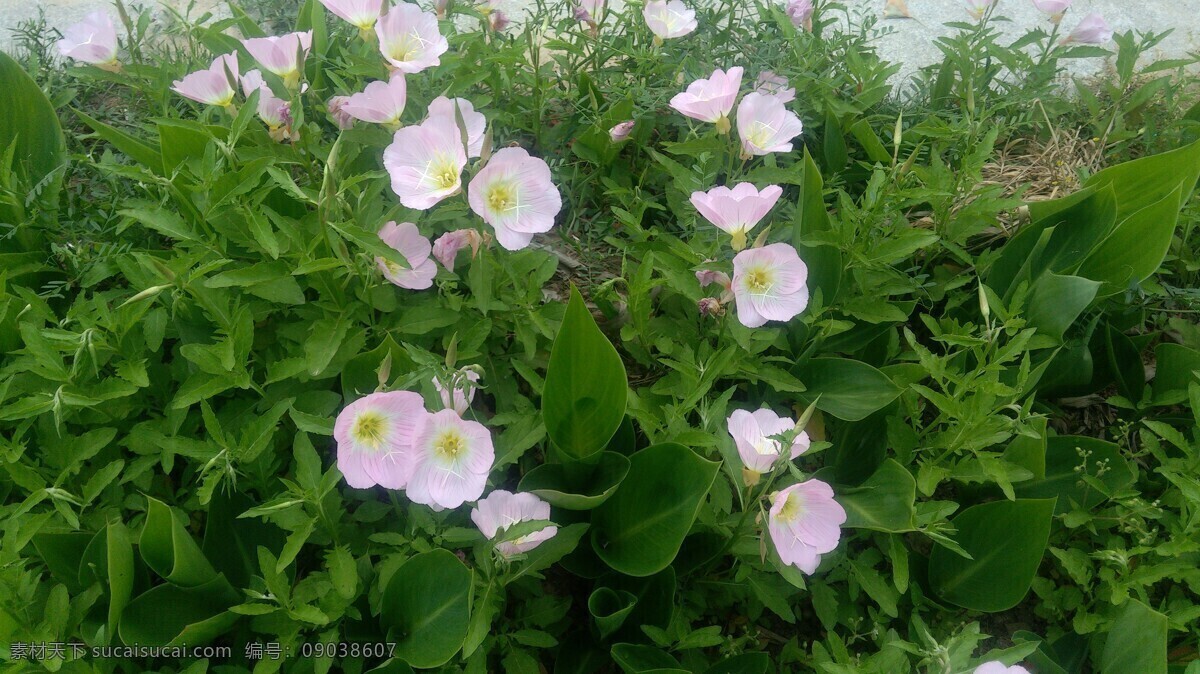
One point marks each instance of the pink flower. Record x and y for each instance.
(457, 393)
(213, 85)
(707, 277)
(669, 19)
(502, 509)
(711, 100)
(896, 9)
(361, 13)
(276, 113)
(769, 284)
(515, 195)
(374, 434)
(709, 306)
(977, 8)
(805, 523)
(1093, 29)
(997, 667)
(379, 103)
(736, 210)
(770, 84)
(588, 10)
(800, 12)
(621, 131)
(450, 460)
(406, 239)
(765, 125)
(475, 122)
(282, 55)
(93, 40)
(409, 39)
(752, 433)
(1055, 8)
(446, 248)
(426, 162)
(336, 107)
(498, 20)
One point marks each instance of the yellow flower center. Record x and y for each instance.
(443, 173)
(369, 429)
(760, 134)
(792, 509)
(758, 281)
(450, 444)
(501, 197)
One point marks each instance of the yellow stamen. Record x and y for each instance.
(369, 429)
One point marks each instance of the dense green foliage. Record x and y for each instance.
(1000, 386)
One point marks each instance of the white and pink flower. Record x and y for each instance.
(514, 194)
(765, 125)
(805, 523)
(712, 99)
(275, 112)
(476, 123)
(446, 248)
(752, 435)
(450, 460)
(362, 14)
(457, 393)
(425, 162)
(406, 239)
(769, 284)
(93, 40)
(215, 85)
(374, 434)
(669, 19)
(770, 84)
(1055, 9)
(380, 102)
(800, 12)
(1092, 29)
(620, 133)
(502, 509)
(409, 38)
(282, 55)
(737, 210)
(997, 667)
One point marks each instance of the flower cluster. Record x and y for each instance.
(439, 459)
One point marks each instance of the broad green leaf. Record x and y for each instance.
(746, 663)
(824, 262)
(30, 128)
(551, 551)
(1176, 368)
(1056, 301)
(427, 607)
(576, 485)
(1135, 248)
(639, 529)
(847, 389)
(1142, 182)
(885, 502)
(609, 608)
(120, 572)
(1070, 458)
(639, 659)
(583, 400)
(169, 550)
(1136, 642)
(144, 153)
(1006, 540)
(172, 615)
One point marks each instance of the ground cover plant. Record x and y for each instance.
(360, 336)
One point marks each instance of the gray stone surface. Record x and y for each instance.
(907, 41)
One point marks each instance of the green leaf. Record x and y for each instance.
(824, 262)
(29, 128)
(583, 401)
(1006, 540)
(1069, 458)
(548, 553)
(885, 502)
(120, 572)
(169, 550)
(1177, 368)
(1056, 301)
(609, 608)
(1135, 248)
(427, 608)
(1137, 642)
(847, 389)
(174, 615)
(639, 529)
(638, 659)
(746, 663)
(342, 571)
(162, 221)
(1142, 182)
(579, 486)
